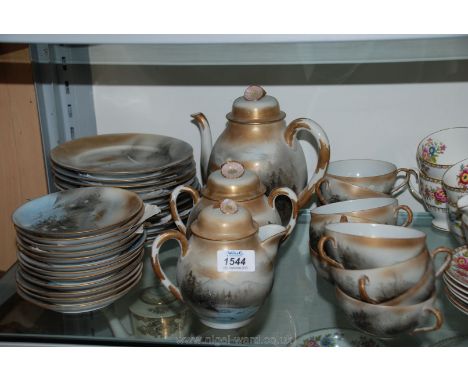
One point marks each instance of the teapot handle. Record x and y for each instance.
(157, 243)
(173, 205)
(291, 195)
(320, 137)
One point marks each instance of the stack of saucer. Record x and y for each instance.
(456, 280)
(148, 164)
(79, 250)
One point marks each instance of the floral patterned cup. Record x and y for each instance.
(440, 150)
(432, 194)
(455, 184)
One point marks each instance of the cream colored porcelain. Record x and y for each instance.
(433, 196)
(440, 150)
(256, 135)
(377, 285)
(233, 182)
(332, 190)
(375, 175)
(223, 294)
(455, 185)
(366, 246)
(389, 321)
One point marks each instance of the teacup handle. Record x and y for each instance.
(291, 195)
(409, 214)
(173, 205)
(438, 324)
(318, 190)
(415, 190)
(320, 137)
(363, 281)
(157, 243)
(448, 259)
(323, 254)
(405, 182)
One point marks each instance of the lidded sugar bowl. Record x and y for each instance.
(225, 270)
(233, 181)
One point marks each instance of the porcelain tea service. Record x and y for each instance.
(455, 185)
(257, 136)
(225, 270)
(437, 154)
(382, 269)
(360, 178)
(233, 181)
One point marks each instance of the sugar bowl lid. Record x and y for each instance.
(255, 106)
(226, 221)
(233, 181)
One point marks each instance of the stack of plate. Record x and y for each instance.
(79, 250)
(150, 165)
(456, 280)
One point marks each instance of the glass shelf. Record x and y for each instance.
(300, 302)
(235, 50)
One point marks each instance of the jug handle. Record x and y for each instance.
(157, 243)
(173, 205)
(323, 254)
(291, 195)
(320, 137)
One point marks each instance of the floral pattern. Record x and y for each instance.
(436, 194)
(432, 149)
(462, 177)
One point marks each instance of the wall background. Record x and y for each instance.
(378, 111)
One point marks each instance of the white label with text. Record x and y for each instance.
(236, 260)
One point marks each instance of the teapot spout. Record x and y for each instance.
(201, 122)
(270, 236)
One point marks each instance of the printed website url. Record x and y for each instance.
(235, 340)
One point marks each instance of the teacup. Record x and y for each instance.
(389, 321)
(375, 175)
(433, 196)
(377, 285)
(455, 185)
(440, 150)
(366, 246)
(377, 210)
(332, 190)
(419, 292)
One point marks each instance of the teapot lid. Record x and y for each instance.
(233, 181)
(255, 107)
(225, 221)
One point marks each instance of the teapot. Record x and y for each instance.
(225, 270)
(257, 136)
(233, 181)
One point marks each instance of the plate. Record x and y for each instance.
(81, 307)
(78, 285)
(462, 307)
(335, 337)
(121, 153)
(78, 212)
(458, 269)
(132, 178)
